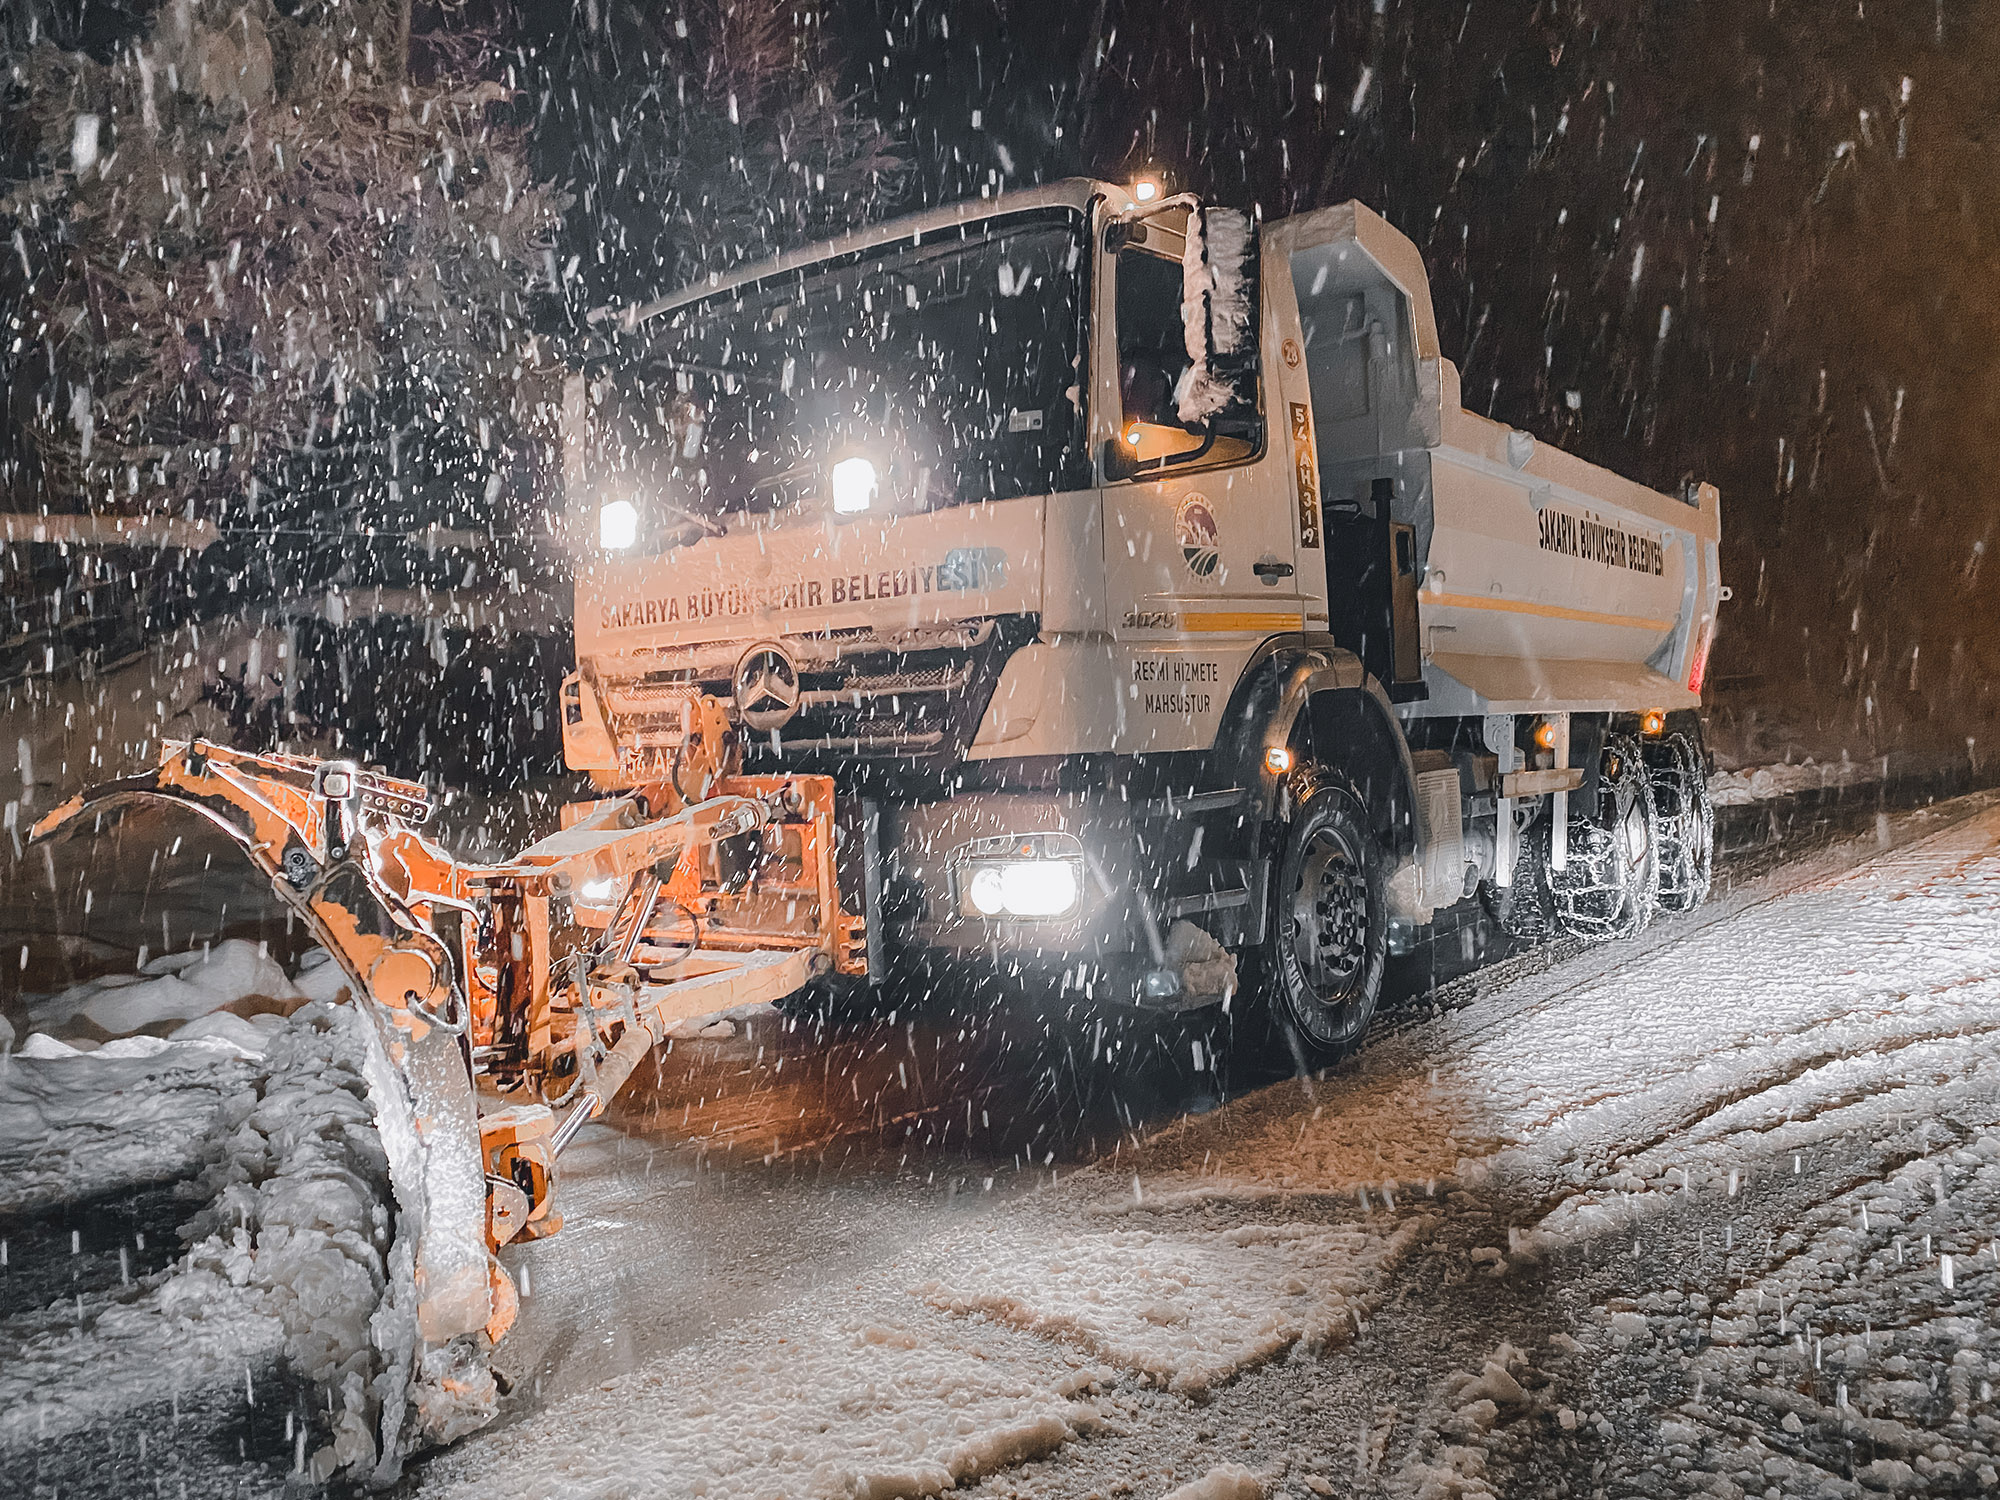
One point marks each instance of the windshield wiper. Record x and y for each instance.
(709, 526)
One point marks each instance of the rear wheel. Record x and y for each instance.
(1328, 930)
(1686, 819)
(1523, 909)
(1609, 885)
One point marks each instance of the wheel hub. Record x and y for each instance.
(1329, 915)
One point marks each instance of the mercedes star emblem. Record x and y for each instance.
(767, 687)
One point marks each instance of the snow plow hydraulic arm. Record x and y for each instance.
(528, 987)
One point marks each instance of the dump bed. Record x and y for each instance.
(1542, 582)
(1553, 582)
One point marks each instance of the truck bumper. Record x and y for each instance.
(927, 855)
(1136, 886)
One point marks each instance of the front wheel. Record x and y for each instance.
(1328, 927)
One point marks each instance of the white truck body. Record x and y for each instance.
(1103, 637)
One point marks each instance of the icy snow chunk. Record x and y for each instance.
(1206, 967)
(224, 1030)
(1226, 1482)
(1479, 1415)
(1496, 1385)
(1890, 1474)
(83, 142)
(42, 1047)
(319, 977)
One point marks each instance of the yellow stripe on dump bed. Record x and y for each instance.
(1546, 611)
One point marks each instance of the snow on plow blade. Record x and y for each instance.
(509, 1003)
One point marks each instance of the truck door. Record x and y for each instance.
(1201, 545)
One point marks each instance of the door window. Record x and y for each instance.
(1153, 365)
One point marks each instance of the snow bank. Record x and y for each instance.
(83, 1117)
(290, 1256)
(1748, 784)
(79, 1125)
(173, 988)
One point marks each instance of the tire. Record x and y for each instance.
(1328, 925)
(1609, 886)
(1687, 822)
(1524, 910)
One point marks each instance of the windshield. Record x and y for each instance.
(905, 379)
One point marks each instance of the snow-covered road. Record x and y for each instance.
(1713, 1211)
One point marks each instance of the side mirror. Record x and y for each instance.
(1217, 282)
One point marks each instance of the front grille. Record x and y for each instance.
(917, 695)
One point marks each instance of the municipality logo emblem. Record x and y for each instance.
(1194, 525)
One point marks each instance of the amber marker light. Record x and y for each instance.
(1653, 722)
(1278, 760)
(1545, 734)
(1145, 190)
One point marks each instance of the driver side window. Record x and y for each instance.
(1154, 367)
(1152, 346)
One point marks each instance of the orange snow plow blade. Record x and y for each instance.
(512, 1001)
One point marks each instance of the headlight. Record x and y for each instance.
(983, 888)
(853, 486)
(617, 525)
(1021, 887)
(1036, 875)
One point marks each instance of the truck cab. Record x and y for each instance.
(1086, 543)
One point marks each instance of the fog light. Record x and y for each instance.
(1021, 887)
(1038, 887)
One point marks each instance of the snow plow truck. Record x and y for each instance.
(1082, 582)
